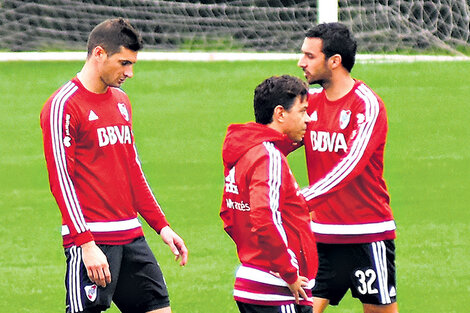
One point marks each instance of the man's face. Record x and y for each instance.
(116, 68)
(296, 119)
(313, 62)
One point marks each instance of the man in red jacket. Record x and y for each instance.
(344, 146)
(97, 180)
(262, 208)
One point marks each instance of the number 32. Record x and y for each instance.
(366, 280)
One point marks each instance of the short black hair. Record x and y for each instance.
(337, 39)
(274, 91)
(112, 34)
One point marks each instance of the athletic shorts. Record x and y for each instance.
(137, 283)
(367, 269)
(288, 308)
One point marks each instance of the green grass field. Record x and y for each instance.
(181, 111)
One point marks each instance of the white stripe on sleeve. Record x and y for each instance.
(65, 182)
(275, 168)
(347, 165)
(275, 180)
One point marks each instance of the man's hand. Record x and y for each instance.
(296, 288)
(175, 243)
(96, 264)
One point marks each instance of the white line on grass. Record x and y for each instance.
(222, 56)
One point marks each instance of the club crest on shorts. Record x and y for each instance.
(123, 110)
(344, 118)
(91, 292)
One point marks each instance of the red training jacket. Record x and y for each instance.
(265, 215)
(94, 172)
(344, 146)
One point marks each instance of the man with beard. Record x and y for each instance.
(344, 145)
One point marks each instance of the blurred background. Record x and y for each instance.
(239, 25)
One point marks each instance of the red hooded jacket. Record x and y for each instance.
(265, 215)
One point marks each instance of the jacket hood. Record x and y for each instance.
(242, 137)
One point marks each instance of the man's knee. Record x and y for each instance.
(385, 308)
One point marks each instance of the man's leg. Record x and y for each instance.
(374, 284)
(320, 304)
(332, 281)
(141, 287)
(387, 308)
(82, 295)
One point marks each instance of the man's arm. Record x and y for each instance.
(96, 264)
(147, 205)
(176, 244)
(59, 133)
(297, 288)
(367, 138)
(266, 203)
(144, 200)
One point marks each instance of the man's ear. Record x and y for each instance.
(335, 61)
(99, 53)
(278, 114)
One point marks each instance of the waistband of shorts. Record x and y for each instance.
(105, 227)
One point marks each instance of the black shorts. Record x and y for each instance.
(367, 269)
(288, 308)
(137, 283)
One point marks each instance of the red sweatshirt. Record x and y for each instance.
(344, 146)
(265, 215)
(94, 172)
